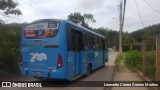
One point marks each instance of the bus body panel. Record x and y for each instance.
(95, 58)
(74, 63)
(71, 65)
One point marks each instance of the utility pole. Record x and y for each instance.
(121, 22)
(120, 29)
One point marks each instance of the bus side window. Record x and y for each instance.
(85, 44)
(103, 44)
(74, 39)
(92, 42)
(77, 40)
(97, 45)
(106, 45)
(87, 41)
(69, 39)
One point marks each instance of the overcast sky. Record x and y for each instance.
(105, 12)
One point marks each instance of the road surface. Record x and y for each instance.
(102, 74)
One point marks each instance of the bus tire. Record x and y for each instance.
(103, 65)
(89, 68)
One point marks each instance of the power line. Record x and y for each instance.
(139, 13)
(152, 7)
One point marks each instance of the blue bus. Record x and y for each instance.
(60, 49)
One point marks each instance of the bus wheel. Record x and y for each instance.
(88, 70)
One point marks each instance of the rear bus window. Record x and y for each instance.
(41, 30)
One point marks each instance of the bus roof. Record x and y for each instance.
(43, 20)
(76, 25)
(85, 29)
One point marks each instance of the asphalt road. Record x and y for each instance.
(102, 74)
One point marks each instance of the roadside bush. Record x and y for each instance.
(133, 60)
(9, 51)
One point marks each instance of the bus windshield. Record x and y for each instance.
(41, 30)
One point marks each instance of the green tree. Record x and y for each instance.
(102, 31)
(9, 7)
(137, 35)
(111, 36)
(83, 20)
(128, 40)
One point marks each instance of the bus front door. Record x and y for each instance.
(75, 42)
(77, 47)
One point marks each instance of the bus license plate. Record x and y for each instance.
(37, 73)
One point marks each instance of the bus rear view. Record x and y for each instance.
(60, 49)
(41, 50)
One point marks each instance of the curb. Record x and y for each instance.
(144, 78)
